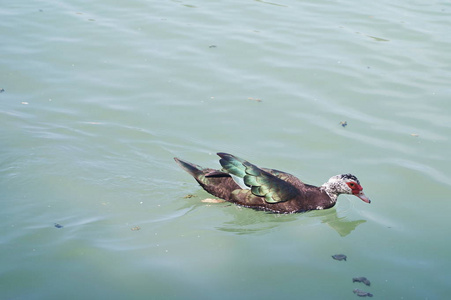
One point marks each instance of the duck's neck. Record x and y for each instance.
(330, 190)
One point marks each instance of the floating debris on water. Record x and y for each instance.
(361, 279)
(58, 225)
(255, 99)
(2, 90)
(212, 46)
(189, 196)
(136, 228)
(361, 293)
(211, 200)
(344, 123)
(415, 134)
(377, 38)
(339, 257)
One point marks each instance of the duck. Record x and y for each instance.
(245, 184)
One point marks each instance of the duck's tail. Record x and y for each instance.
(194, 170)
(217, 183)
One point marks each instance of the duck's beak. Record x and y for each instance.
(363, 197)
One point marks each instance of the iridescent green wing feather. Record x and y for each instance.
(262, 183)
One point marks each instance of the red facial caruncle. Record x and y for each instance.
(357, 190)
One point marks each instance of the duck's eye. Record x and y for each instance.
(351, 184)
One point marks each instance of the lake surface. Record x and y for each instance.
(98, 97)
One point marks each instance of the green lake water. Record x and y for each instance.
(97, 97)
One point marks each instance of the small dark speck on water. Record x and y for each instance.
(212, 46)
(58, 225)
(2, 90)
(364, 280)
(361, 293)
(339, 257)
(344, 123)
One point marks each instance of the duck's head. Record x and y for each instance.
(345, 184)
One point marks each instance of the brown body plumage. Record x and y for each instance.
(268, 189)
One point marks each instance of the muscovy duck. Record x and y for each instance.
(245, 184)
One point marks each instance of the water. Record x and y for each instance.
(99, 97)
